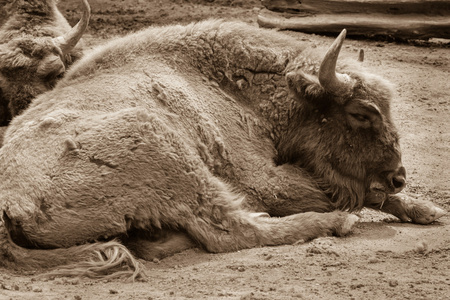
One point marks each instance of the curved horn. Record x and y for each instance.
(328, 78)
(70, 39)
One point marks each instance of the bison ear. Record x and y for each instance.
(361, 114)
(304, 85)
(12, 59)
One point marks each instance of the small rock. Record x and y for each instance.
(393, 283)
(37, 290)
(269, 256)
(421, 247)
(74, 281)
(356, 286)
(373, 260)
(113, 291)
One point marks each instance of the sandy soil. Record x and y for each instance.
(382, 259)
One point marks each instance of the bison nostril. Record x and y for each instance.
(398, 182)
(397, 179)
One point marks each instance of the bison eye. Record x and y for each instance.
(52, 78)
(59, 76)
(360, 118)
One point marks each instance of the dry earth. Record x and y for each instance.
(382, 259)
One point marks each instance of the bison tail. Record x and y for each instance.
(97, 260)
(104, 260)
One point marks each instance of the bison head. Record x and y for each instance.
(343, 133)
(31, 64)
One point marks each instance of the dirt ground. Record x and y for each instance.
(382, 259)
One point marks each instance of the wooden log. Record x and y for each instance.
(423, 7)
(401, 26)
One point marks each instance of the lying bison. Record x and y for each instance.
(178, 131)
(37, 44)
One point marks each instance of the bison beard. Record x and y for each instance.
(171, 137)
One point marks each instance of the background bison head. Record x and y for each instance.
(36, 46)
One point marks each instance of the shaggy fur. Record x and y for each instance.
(177, 130)
(30, 63)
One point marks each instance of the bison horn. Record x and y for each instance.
(70, 39)
(361, 55)
(329, 79)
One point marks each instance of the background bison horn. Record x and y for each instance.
(361, 55)
(70, 39)
(328, 78)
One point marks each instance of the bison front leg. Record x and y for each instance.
(247, 230)
(284, 190)
(405, 208)
(221, 225)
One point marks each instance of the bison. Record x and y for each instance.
(37, 45)
(217, 134)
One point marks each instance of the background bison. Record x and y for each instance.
(299, 262)
(37, 44)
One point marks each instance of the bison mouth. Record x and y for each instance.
(389, 182)
(377, 187)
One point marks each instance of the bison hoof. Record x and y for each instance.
(347, 226)
(425, 212)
